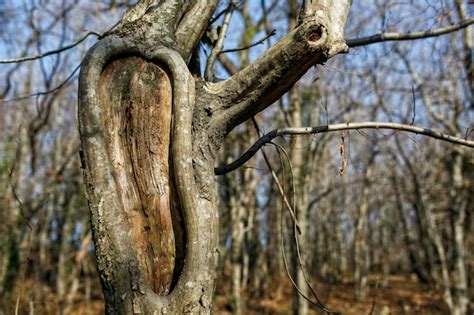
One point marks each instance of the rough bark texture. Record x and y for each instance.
(127, 182)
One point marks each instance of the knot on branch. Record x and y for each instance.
(313, 33)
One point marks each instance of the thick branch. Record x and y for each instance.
(337, 127)
(153, 20)
(269, 77)
(336, 12)
(307, 8)
(355, 42)
(264, 81)
(193, 25)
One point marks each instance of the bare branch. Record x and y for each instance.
(338, 127)
(51, 52)
(425, 95)
(23, 211)
(260, 41)
(216, 50)
(42, 93)
(377, 38)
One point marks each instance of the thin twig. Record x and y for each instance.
(296, 227)
(51, 52)
(337, 127)
(280, 187)
(383, 37)
(260, 41)
(57, 88)
(295, 234)
(209, 72)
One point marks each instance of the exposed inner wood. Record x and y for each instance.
(136, 97)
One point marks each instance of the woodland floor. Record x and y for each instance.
(402, 295)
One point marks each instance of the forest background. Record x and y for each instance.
(387, 217)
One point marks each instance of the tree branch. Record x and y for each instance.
(261, 83)
(216, 50)
(337, 127)
(383, 37)
(425, 94)
(193, 25)
(51, 52)
(42, 93)
(307, 8)
(260, 41)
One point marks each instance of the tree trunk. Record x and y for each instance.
(150, 132)
(361, 237)
(300, 303)
(132, 186)
(458, 215)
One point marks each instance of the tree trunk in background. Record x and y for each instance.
(301, 210)
(459, 202)
(5, 235)
(300, 305)
(241, 228)
(434, 235)
(460, 199)
(274, 250)
(237, 234)
(251, 233)
(361, 237)
(6, 228)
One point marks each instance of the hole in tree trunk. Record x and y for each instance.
(315, 35)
